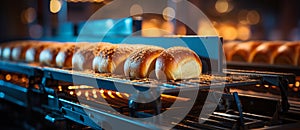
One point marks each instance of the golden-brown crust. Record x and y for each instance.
(242, 51)
(102, 61)
(228, 49)
(141, 63)
(7, 49)
(83, 58)
(64, 56)
(48, 55)
(178, 63)
(19, 51)
(264, 53)
(33, 53)
(113, 60)
(287, 54)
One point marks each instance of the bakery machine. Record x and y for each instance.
(70, 99)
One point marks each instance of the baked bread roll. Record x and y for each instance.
(33, 52)
(48, 55)
(19, 51)
(287, 54)
(242, 51)
(264, 53)
(178, 63)
(1, 49)
(141, 63)
(83, 58)
(112, 59)
(228, 49)
(7, 49)
(64, 57)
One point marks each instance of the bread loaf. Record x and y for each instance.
(242, 51)
(178, 63)
(2, 47)
(33, 52)
(7, 49)
(141, 63)
(264, 53)
(287, 54)
(83, 58)
(112, 60)
(65, 55)
(48, 55)
(19, 51)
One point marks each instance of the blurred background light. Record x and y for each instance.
(168, 13)
(28, 15)
(55, 6)
(136, 9)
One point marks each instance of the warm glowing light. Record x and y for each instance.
(222, 6)
(79, 87)
(150, 28)
(102, 95)
(273, 86)
(297, 84)
(152, 32)
(110, 94)
(228, 32)
(174, 97)
(244, 32)
(55, 6)
(101, 91)
(36, 86)
(94, 91)
(205, 28)
(59, 88)
(295, 89)
(86, 94)
(127, 95)
(8, 77)
(167, 28)
(257, 85)
(28, 15)
(242, 17)
(253, 17)
(181, 30)
(78, 93)
(95, 96)
(168, 13)
(119, 95)
(23, 79)
(71, 93)
(136, 9)
(266, 86)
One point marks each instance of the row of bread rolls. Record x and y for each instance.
(269, 52)
(132, 60)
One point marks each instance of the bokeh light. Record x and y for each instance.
(222, 6)
(136, 9)
(253, 17)
(55, 6)
(35, 31)
(244, 32)
(28, 15)
(168, 13)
